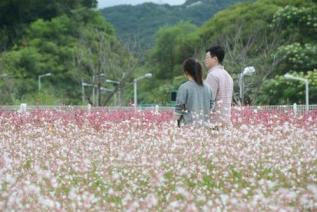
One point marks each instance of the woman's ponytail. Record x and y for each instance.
(194, 69)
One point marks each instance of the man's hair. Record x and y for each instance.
(217, 51)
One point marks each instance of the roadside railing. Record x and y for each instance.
(296, 109)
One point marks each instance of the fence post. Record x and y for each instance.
(157, 107)
(23, 107)
(295, 108)
(89, 108)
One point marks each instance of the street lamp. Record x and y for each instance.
(3, 75)
(291, 77)
(39, 79)
(113, 81)
(106, 89)
(135, 81)
(116, 83)
(84, 84)
(249, 70)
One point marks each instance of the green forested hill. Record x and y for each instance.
(136, 25)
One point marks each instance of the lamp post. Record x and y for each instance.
(249, 70)
(291, 77)
(83, 84)
(116, 83)
(135, 81)
(96, 89)
(39, 79)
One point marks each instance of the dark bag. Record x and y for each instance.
(184, 111)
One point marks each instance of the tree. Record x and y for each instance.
(102, 57)
(15, 15)
(171, 48)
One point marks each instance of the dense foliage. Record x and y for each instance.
(68, 39)
(16, 15)
(280, 91)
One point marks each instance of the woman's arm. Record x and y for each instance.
(180, 107)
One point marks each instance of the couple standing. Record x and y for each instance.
(208, 100)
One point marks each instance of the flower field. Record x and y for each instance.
(127, 160)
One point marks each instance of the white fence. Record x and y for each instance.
(24, 107)
(284, 108)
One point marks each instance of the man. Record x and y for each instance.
(221, 84)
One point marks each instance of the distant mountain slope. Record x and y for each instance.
(138, 24)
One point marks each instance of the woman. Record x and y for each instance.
(194, 98)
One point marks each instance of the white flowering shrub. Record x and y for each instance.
(290, 17)
(297, 57)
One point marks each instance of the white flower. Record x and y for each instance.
(175, 204)
(313, 189)
(224, 198)
(46, 202)
(151, 200)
